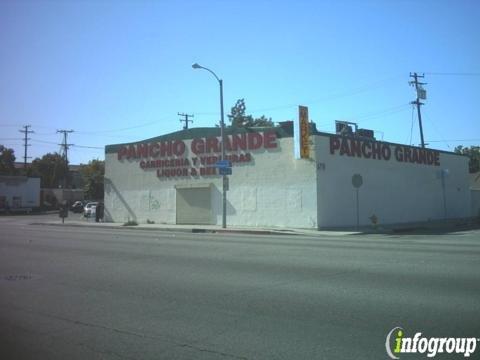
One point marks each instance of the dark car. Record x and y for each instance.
(77, 207)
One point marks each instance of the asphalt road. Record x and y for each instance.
(87, 293)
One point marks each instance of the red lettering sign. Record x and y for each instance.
(368, 149)
(236, 142)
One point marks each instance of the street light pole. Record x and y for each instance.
(222, 135)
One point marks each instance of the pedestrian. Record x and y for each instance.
(99, 212)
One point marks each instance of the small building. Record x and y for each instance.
(475, 191)
(19, 193)
(339, 181)
(52, 198)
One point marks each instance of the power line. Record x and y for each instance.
(438, 131)
(65, 147)
(25, 131)
(421, 94)
(384, 112)
(121, 129)
(9, 125)
(88, 147)
(411, 128)
(458, 140)
(186, 120)
(376, 114)
(74, 145)
(45, 142)
(453, 73)
(332, 96)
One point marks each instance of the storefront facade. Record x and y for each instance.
(172, 179)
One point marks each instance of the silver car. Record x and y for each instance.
(89, 209)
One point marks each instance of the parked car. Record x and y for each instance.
(77, 206)
(89, 209)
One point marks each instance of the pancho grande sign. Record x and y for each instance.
(368, 149)
(176, 158)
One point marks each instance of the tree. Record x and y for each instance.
(239, 119)
(93, 176)
(50, 168)
(473, 152)
(7, 161)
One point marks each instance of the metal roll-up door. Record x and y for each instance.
(194, 205)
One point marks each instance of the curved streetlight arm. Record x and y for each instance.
(197, 66)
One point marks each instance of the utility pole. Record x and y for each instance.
(421, 94)
(186, 120)
(25, 143)
(65, 147)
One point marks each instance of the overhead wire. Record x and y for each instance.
(438, 131)
(72, 145)
(45, 142)
(377, 114)
(333, 96)
(457, 140)
(351, 92)
(121, 129)
(453, 73)
(384, 112)
(88, 147)
(341, 94)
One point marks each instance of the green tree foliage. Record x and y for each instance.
(7, 161)
(473, 152)
(51, 170)
(93, 176)
(239, 119)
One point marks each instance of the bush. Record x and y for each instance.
(130, 223)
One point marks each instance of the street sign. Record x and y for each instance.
(225, 170)
(223, 164)
(357, 180)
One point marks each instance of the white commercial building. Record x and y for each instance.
(341, 181)
(19, 193)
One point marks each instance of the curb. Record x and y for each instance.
(183, 230)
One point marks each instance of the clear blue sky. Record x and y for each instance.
(119, 71)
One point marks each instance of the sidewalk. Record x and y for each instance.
(90, 223)
(440, 227)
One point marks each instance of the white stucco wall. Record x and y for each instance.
(273, 189)
(475, 203)
(395, 192)
(27, 189)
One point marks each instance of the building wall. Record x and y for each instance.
(277, 190)
(395, 192)
(52, 198)
(273, 189)
(475, 203)
(20, 191)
